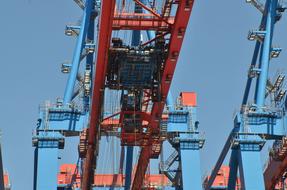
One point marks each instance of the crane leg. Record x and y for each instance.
(190, 166)
(233, 164)
(46, 166)
(250, 167)
(129, 167)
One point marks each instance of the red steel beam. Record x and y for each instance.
(273, 172)
(150, 10)
(126, 22)
(276, 167)
(107, 13)
(177, 34)
(143, 162)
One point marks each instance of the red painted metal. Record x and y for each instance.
(107, 14)
(150, 10)
(67, 174)
(177, 34)
(6, 181)
(152, 40)
(140, 22)
(221, 180)
(276, 167)
(188, 98)
(151, 139)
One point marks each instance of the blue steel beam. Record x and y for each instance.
(61, 119)
(254, 59)
(129, 167)
(90, 58)
(220, 160)
(266, 49)
(249, 80)
(78, 51)
(233, 165)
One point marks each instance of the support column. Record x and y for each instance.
(190, 165)
(233, 165)
(129, 167)
(250, 166)
(46, 161)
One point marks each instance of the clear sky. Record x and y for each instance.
(213, 62)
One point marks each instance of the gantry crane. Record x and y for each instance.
(259, 120)
(164, 54)
(141, 71)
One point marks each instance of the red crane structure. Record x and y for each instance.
(170, 30)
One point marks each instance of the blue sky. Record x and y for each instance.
(213, 62)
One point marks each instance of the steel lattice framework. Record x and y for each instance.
(140, 70)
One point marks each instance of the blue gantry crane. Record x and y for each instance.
(259, 120)
(68, 116)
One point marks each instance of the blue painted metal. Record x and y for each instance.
(89, 63)
(129, 167)
(249, 80)
(169, 101)
(78, 50)
(250, 167)
(54, 124)
(258, 119)
(220, 160)
(190, 161)
(46, 154)
(253, 62)
(47, 176)
(182, 128)
(233, 165)
(63, 119)
(266, 49)
(251, 172)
